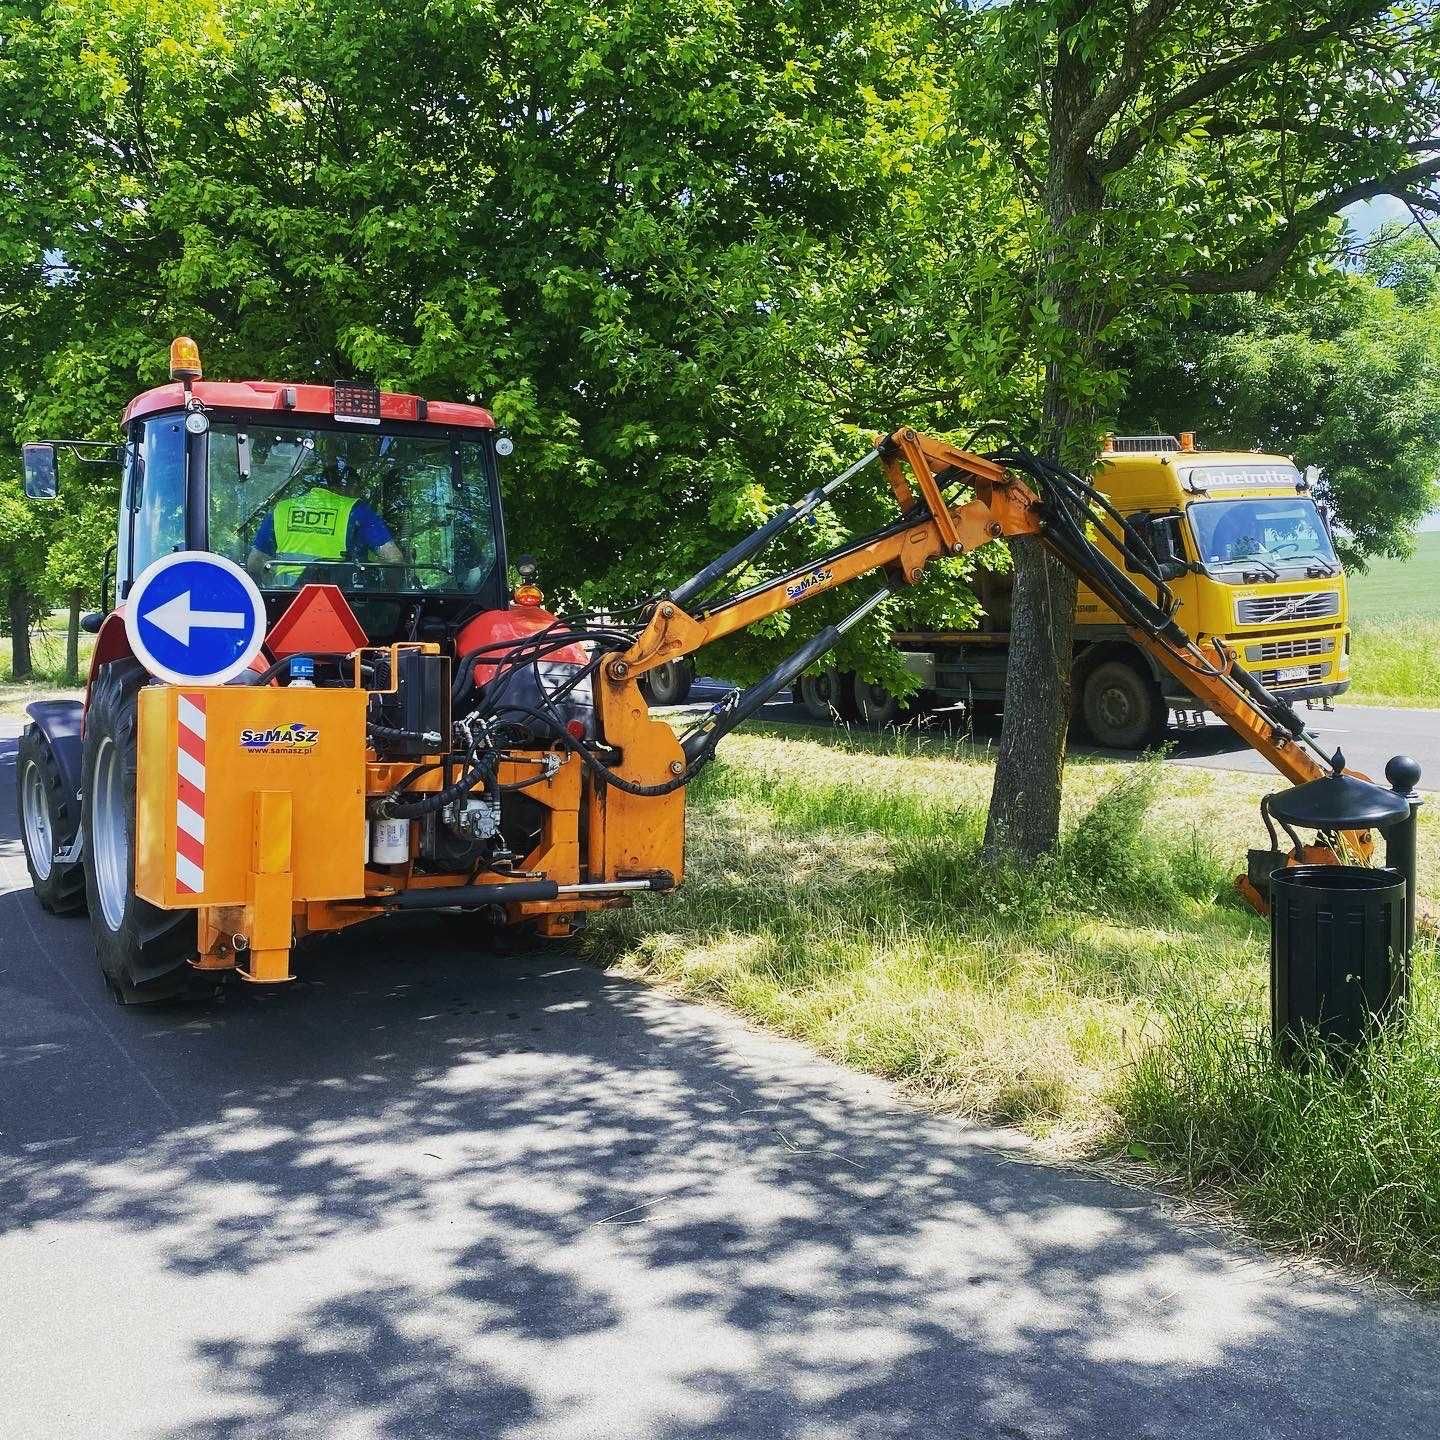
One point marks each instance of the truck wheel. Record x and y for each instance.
(827, 695)
(668, 684)
(875, 705)
(1122, 709)
(984, 714)
(144, 952)
(49, 817)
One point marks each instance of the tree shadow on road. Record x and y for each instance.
(425, 1191)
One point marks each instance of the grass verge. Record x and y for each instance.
(1396, 661)
(1110, 1001)
(47, 654)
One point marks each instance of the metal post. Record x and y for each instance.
(1403, 773)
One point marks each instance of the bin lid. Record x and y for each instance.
(1338, 801)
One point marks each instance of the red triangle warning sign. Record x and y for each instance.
(319, 621)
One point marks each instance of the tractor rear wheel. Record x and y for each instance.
(144, 952)
(49, 818)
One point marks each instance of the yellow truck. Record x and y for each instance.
(1247, 554)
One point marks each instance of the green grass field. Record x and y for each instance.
(47, 654)
(1112, 1002)
(1395, 616)
(1400, 589)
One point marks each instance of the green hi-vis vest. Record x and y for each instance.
(313, 526)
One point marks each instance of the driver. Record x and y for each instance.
(326, 522)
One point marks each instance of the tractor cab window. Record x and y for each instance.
(152, 514)
(367, 511)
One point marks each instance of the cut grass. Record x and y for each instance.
(1109, 1001)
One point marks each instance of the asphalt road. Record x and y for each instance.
(1367, 735)
(426, 1192)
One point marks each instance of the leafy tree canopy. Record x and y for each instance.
(1346, 378)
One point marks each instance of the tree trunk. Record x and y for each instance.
(72, 638)
(18, 599)
(1024, 814)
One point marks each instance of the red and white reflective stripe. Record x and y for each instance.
(190, 797)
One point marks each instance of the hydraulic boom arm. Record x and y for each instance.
(994, 503)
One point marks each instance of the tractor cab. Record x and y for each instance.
(389, 497)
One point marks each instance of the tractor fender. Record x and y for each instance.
(59, 722)
(111, 643)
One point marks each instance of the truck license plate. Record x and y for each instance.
(1295, 672)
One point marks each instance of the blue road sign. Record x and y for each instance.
(195, 618)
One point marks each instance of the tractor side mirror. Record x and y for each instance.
(1172, 568)
(42, 472)
(1312, 476)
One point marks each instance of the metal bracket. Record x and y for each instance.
(71, 853)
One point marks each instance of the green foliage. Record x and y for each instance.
(691, 253)
(1346, 378)
(1107, 863)
(1396, 662)
(686, 252)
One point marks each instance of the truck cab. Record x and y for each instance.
(1248, 556)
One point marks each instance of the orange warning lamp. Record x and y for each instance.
(184, 359)
(527, 592)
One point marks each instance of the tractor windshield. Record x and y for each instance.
(389, 513)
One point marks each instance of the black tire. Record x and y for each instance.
(1121, 708)
(875, 706)
(984, 715)
(144, 952)
(668, 684)
(827, 695)
(49, 814)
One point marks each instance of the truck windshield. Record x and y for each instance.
(1274, 532)
(366, 511)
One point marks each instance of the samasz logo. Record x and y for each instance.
(813, 581)
(280, 740)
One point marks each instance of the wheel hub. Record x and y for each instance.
(39, 827)
(110, 835)
(1115, 708)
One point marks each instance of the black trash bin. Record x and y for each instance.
(1338, 961)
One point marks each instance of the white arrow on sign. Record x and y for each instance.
(177, 619)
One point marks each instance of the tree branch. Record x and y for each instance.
(1129, 144)
(1107, 102)
(1261, 273)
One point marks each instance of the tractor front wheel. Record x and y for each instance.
(49, 818)
(144, 952)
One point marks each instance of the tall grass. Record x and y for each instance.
(1111, 999)
(1396, 661)
(1339, 1159)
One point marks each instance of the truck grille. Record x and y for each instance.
(1271, 680)
(1262, 609)
(1290, 649)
